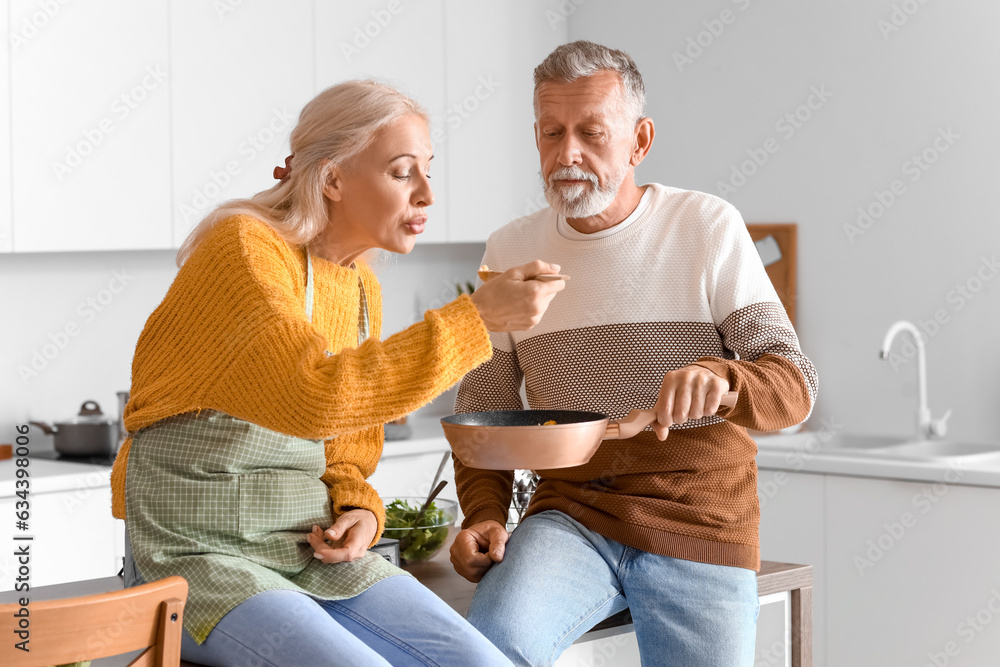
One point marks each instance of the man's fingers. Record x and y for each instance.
(665, 408)
(682, 405)
(498, 536)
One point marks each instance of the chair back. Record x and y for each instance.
(57, 632)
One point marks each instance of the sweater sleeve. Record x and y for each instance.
(776, 381)
(350, 461)
(282, 377)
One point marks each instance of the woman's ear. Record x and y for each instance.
(333, 186)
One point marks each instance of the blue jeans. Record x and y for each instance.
(397, 621)
(558, 579)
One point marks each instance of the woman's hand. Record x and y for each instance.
(348, 537)
(514, 302)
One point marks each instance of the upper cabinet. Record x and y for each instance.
(6, 227)
(492, 49)
(89, 100)
(130, 121)
(241, 73)
(400, 43)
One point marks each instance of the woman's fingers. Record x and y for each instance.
(514, 302)
(347, 539)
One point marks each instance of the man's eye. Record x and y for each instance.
(401, 177)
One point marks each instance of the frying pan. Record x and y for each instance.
(519, 440)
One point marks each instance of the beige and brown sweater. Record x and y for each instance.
(679, 282)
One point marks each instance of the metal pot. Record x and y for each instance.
(90, 433)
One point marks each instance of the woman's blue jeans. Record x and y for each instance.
(397, 621)
(558, 579)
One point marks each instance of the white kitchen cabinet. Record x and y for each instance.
(241, 73)
(492, 49)
(6, 226)
(75, 536)
(911, 573)
(89, 95)
(402, 44)
(792, 531)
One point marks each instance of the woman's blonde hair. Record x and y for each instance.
(333, 127)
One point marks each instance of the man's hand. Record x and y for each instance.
(476, 548)
(348, 537)
(687, 393)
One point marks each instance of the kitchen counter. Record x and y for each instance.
(804, 453)
(49, 476)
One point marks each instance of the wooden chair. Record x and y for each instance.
(147, 617)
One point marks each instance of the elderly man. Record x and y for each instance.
(669, 305)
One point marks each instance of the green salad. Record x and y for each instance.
(416, 544)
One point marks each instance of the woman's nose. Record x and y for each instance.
(423, 195)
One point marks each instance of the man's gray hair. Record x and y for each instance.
(582, 58)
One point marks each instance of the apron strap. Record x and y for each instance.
(309, 287)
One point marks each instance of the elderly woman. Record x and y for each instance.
(259, 389)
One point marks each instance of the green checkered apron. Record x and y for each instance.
(226, 504)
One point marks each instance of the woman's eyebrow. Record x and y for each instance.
(409, 155)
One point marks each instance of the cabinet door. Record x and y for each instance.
(400, 43)
(792, 531)
(241, 74)
(90, 118)
(74, 538)
(6, 228)
(912, 573)
(492, 48)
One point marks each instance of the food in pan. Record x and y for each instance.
(551, 422)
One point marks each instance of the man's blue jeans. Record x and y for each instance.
(558, 579)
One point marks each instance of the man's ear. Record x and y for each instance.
(537, 142)
(644, 133)
(333, 187)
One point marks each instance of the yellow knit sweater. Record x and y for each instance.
(232, 335)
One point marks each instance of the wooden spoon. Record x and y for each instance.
(486, 275)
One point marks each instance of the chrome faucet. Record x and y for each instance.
(927, 428)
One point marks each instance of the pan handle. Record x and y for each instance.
(637, 420)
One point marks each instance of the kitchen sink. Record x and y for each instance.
(905, 448)
(825, 443)
(941, 450)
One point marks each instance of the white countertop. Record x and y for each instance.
(784, 452)
(48, 476)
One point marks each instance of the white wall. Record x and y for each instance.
(890, 97)
(43, 294)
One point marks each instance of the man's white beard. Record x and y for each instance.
(582, 201)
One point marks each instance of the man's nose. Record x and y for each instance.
(569, 151)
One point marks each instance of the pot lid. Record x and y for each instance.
(90, 413)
